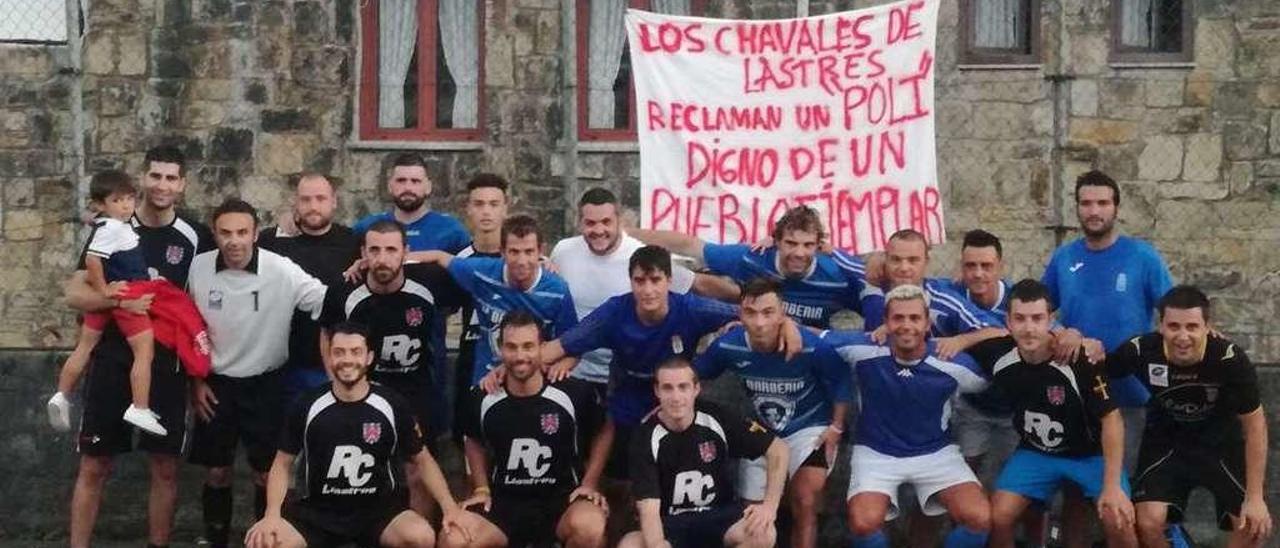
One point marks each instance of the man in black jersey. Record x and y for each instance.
(1205, 425)
(351, 434)
(1069, 427)
(309, 237)
(486, 210)
(169, 240)
(399, 303)
(524, 446)
(683, 461)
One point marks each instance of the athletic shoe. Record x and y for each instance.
(59, 412)
(145, 420)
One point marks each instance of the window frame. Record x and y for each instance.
(1120, 53)
(970, 54)
(582, 28)
(428, 40)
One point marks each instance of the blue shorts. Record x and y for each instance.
(700, 529)
(1037, 476)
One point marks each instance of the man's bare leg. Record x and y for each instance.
(163, 498)
(87, 497)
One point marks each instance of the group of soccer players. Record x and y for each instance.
(576, 399)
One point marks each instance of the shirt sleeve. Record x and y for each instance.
(463, 270)
(1097, 395)
(709, 364)
(644, 469)
(724, 259)
(308, 292)
(446, 291)
(294, 428)
(872, 308)
(459, 239)
(747, 439)
(1159, 281)
(1050, 278)
(709, 315)
(833, 374)
(334, 310)
(408, 429)
(1124, 360)
(469, 422)
(590, 413)
(965, 317)
(987, 352)
(108, 238)
(1241, 381)
(567, 316)
(681, 279)
(969, 376)
(592, 332)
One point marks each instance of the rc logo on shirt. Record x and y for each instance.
(1056, 395)
(1122, 282)
(400, 349)
(1044, 427)
(371, 432)
(693, 487)
(215, 299)
(550, 423)
(174, 254)
(707, 450)
(527, 453)
(1158, 374)
(413, 317)
(349, 461)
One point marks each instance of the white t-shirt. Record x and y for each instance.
(593, 279)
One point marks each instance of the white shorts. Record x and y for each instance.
(874, 472)
(801, 444)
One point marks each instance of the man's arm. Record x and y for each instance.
(1255, 516)
(675, 242)
(651, 523)
(267, 530)
(478, 463)
(760, 516)
(715, 287)
(80, 295)
(950, 346)
(433, 479)
(433, 256)
(1112, 499)
(599, 456)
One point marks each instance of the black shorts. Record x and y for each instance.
(699, 529)
(322, 527)
(422, 395)
(1168, 474)
(618, 466)
(249, 411)
(528, 521)
(103, 431)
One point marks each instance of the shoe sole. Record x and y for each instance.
(55, 418)
(147, 430)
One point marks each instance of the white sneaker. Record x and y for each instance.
(145, 420)
(60, 412)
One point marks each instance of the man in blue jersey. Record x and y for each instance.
(409, 187)
(517, 281)
(902, 435)
(803, 402)
(815, 284)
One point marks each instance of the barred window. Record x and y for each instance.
(1151, 30)
(1000, 32)
(33, 21)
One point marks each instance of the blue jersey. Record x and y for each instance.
(1109, 295)
(950, 313)
(548, 299)
(996, 314)
(906, 408)
(434, 231)
(833, 282)
(639, 348)
(786, 396)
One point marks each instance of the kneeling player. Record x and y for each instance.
(1070, 429)
(682, 467)
(352, 431)
(524, 440)
(1205, 426)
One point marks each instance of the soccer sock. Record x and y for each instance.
(217, 515)
(874, 540)
(963, 537)
(259, 501)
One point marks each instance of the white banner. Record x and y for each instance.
(741, 120)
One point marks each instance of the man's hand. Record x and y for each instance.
(115, 290)
(140, 306)
(758, 517)
(829, 441)
(355, 272)
(762, 244)
(590, 495)
(1094, 351)
(948, 347)
(1113, 501)
(266, 533)
(875, 269)
(453, 520)
(480, 497)
(1254, 518)
(202, 399)
(560, 370)
(492, 382)
(1066, 344)
(880, 335)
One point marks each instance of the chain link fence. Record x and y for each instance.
(33, 21)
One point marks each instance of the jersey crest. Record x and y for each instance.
(174, 254)
(372, 432)
(707, 450)
(1057, 395)
(413, 316)
(550, 423)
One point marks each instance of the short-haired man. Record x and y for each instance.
(815, 284)
(1205, 425)
(682, 463)
(486, 210)
(169, 240)
(248, 297)
(427, 229)
(352, 435)
(1070, 429)
(398, 302)
(322, 248)
(802, 401)
(901, 435)
(525, 446)
(517, 281)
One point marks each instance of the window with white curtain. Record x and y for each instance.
(604, 64)
(1000, 31)
(1151, 30)
(421, 69)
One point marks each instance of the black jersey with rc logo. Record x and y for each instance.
(538, 443)
(693, 470)
(353, 451)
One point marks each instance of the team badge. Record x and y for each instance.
(550, 423)
(372, 432)
(677, 344)
(1158, 373)
(174, 254)
(1211, 393)
(215, 299)
(707, 450)
(1056, 394)
(413, 316)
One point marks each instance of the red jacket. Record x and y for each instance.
(176, 323)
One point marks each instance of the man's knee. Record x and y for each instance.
(95, 470)
(864, 520)
(975, 517)
(1151, 517)
(805, 499)
(164, 469)
(418, 537)
(585, 527)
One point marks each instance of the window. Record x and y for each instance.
(1151, 31)
(1000, 32)
(421, 74)
(33, 21)
(605, 95)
